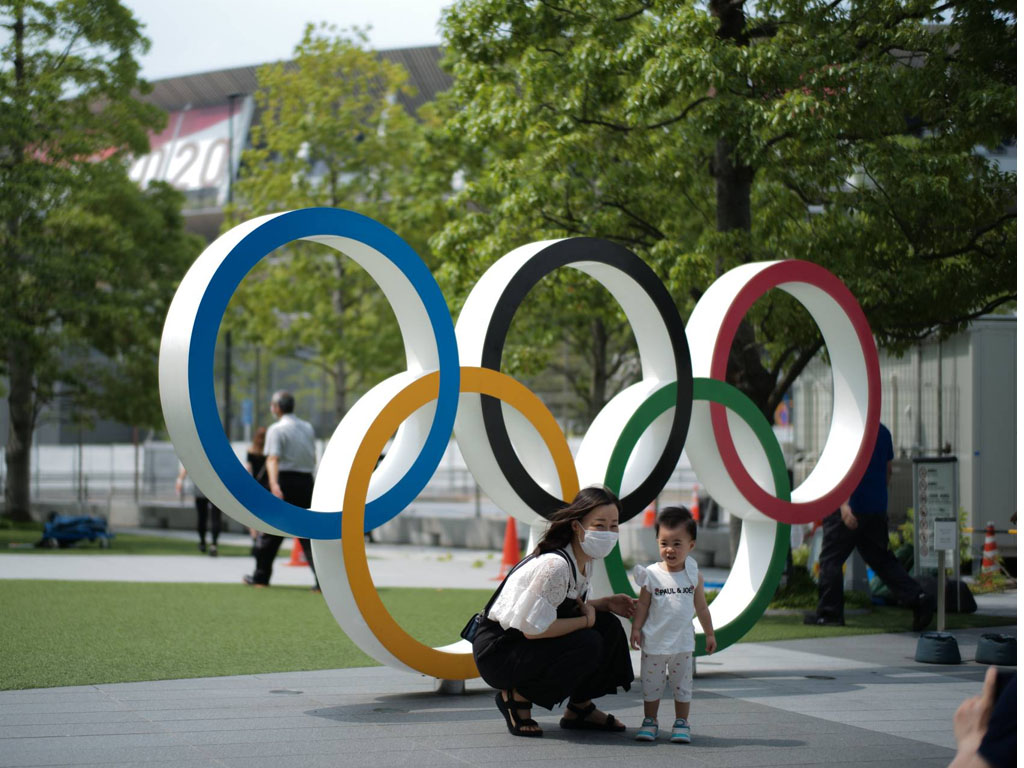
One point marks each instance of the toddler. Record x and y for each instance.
(672, 591)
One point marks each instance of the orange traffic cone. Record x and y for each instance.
(649, 516)
(510, 552)
(298, 556)
(695, 504)
(990, 552)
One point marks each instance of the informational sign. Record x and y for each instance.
(945, 534)
(192, 153)
(936, 498)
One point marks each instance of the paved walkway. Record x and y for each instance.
(858, 701)
(390, 565)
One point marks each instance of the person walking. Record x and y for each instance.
(206, 513)
(290, 459)
(862, 523)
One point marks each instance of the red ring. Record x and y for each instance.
(812, 274)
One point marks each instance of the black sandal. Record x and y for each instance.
(514, 722)
(580, 722)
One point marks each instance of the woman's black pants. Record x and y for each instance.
(580, 666)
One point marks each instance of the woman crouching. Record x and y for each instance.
(542, 640)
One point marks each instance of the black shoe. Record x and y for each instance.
(213, 550)
(202, 546)
(822, 621)
(923, 612)
(250, 581)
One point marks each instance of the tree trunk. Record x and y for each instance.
(599, 370)
(732, 189)
(339, 371)
(21, 407)
(339, 375)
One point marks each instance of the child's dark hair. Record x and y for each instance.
(673, 517)
(559, 532)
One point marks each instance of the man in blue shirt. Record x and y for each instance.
(862, 524)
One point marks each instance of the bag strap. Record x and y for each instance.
(487, 608)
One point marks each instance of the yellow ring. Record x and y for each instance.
(430, 661)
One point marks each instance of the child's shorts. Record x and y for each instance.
(679, 667)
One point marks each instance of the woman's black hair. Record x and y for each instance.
(673, 517)
(559, 532)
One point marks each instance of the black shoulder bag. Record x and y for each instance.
(473, 625)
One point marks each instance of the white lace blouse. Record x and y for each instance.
(530, 598)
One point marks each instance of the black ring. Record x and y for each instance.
(560, 254)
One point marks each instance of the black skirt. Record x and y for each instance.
(580, 666)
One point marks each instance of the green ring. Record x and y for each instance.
(725, 394)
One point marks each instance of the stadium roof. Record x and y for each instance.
(207, 88)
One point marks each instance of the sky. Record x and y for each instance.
(190, 36)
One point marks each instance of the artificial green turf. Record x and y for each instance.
(878, 619)
(121, 544)
(76, 633)
(55, 633)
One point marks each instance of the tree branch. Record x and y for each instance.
(627, 128)
(650, 228)
(972, 245)
(643, 7)
(782, 385)
(954, 321)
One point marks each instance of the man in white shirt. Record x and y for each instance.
(291, 456)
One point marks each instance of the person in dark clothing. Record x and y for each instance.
(208, 514)
(256, 464)
(543, 641)
(290, 460)
(862, 524)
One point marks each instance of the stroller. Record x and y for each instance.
(67, 530)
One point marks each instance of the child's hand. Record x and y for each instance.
(636, 638)
(710, 644)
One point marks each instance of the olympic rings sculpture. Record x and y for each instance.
(510, 441)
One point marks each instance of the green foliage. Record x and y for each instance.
(333, 133)
(993, 581)
(801, 555)
(89, 260)
(801, 591)
(706, 136)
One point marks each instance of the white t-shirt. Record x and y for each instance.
(530, 598)
(669, 625)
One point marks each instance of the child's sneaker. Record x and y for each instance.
(680, 732)
(648, 730)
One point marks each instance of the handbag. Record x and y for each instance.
(469, 632)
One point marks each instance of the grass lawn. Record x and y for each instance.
(57, 633)
(22, 534)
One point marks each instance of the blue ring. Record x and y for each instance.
(283, 229)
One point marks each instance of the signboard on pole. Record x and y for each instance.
(936, 498)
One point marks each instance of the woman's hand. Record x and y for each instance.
(710, 644)
(621, 605)
(590, 614)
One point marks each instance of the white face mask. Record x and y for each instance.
(598, 544)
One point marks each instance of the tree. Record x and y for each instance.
(706, 136)
(89, 260)
(333, 132)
